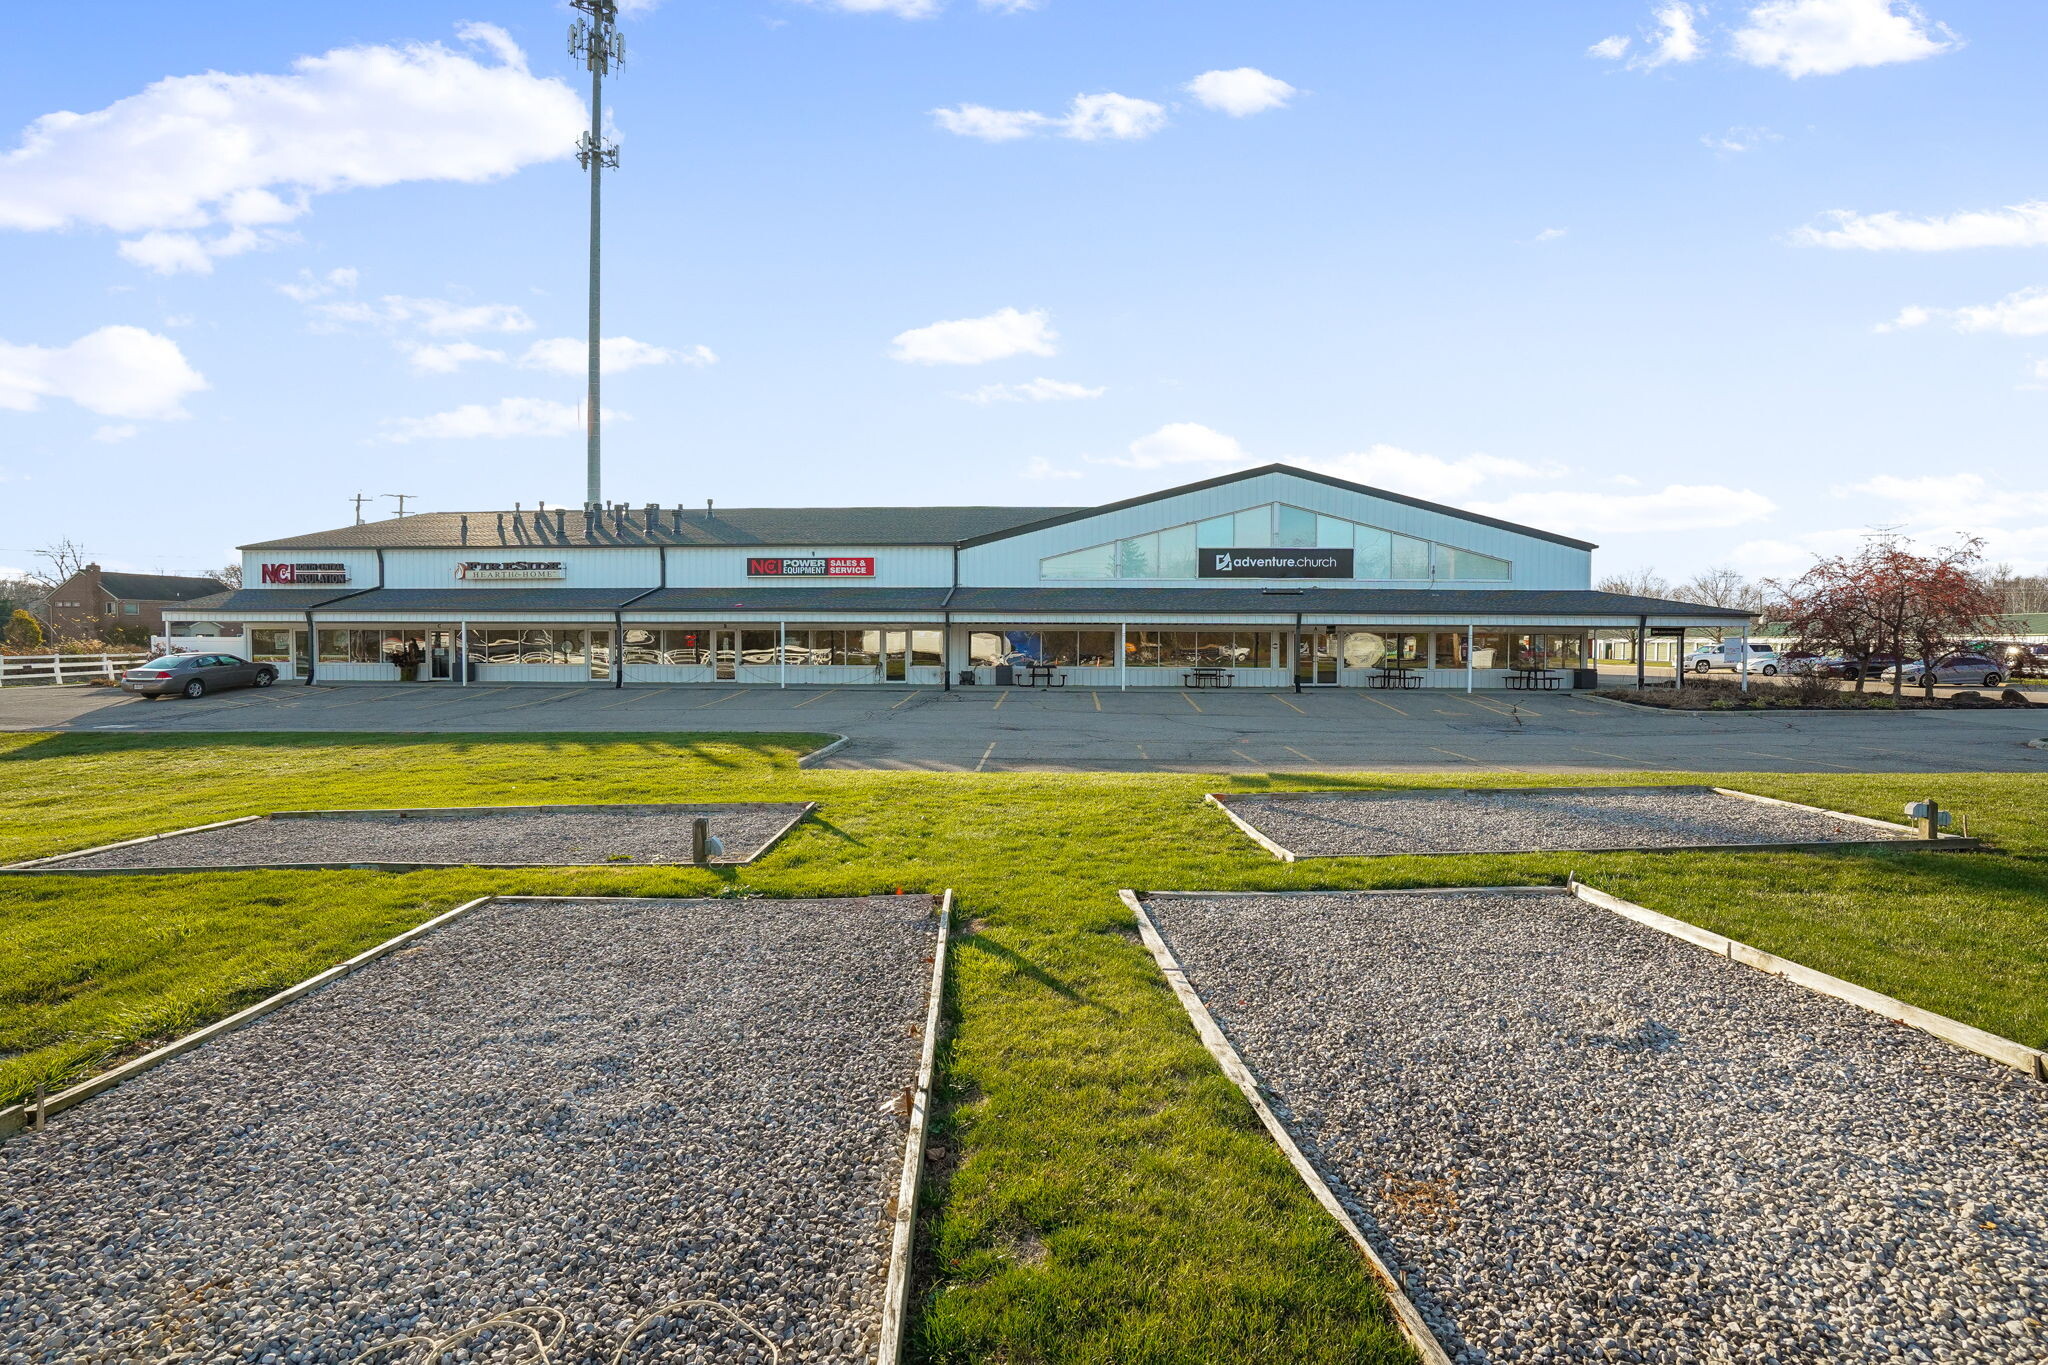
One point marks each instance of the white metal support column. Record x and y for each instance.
(782, 653)
(1123, 657)
(1468, 659)
(462, 650)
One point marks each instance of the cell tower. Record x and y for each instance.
(596, 40)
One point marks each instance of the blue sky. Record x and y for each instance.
(1760, 277)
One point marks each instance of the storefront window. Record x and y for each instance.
(1411, 558)
(1450, 649)
(927, 649)
(1489, 649)
(1294, 527)
(984, 649)
(685, 648)
(333, 646)
(643, 646)
(270, 645)
(1385, 649)
(1464, 564)
(758, 648)
(1548, 651)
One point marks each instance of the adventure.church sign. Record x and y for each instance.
(1274, 563)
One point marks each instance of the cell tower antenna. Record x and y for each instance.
(359, 499)
(403, 498)
(596, 40)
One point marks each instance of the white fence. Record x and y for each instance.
(17, 669)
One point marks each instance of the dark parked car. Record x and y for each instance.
(194, 675)
(1871, 666)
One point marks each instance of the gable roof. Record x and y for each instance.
(1062, 516)
(568, 528)
(157, 587)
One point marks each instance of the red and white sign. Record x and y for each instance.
(287, 574)
(818, 566)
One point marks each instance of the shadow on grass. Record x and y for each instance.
(1025, 967)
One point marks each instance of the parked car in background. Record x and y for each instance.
(1869, 666)
(1956, 670)
(194, 675)
(1730, 655)
(2026, 661)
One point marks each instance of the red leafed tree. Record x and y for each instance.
(1888, 599)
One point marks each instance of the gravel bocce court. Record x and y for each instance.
(596, 1106)
(480, 836)
(1354, 824)
(1579, 1139)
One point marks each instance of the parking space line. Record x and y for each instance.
(1491, 707)
(1377, 702)
(1001, 697)
(727, 697)
(907, 700)
(1245, 756)
(1142, 754)
(626, 700)
(1286, 703)
(364, 701)
(1097, 696)
(1455, 754)
(1297, 753)
(822, 695)
(983, 760)
(468, 695)
(539, 700)
(1788, 758)
(1603, 753)
(1191, 702)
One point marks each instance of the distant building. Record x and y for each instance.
(92, 601)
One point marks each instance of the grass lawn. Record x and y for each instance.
(1100, 1192)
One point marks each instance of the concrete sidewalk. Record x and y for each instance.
(1083, 730)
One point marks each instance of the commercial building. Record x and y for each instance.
(1265, 578)
(93, 603)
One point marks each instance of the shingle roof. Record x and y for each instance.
(270, 599)
(156, 587)
(454, 601)
(750, 598)
(784, 526)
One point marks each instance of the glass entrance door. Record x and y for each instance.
(1315, 658)
(440, 655)
(895, 650)
(600, 656)
(725, 653)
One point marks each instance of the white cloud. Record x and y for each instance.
(974, 341)
(241, 154)
(1736, 141)
(1550, 234)
(1676, 507)
(2023, 313)
(991, 125)
(309, 286)
(902, 9)
(179, 319)
(115, 372)
(435, 317)
(1612, 48)
(506, 417)
(111, 434)
(1823, 37)
(1240, 92)
(1089, 118)
(2020, 225)
(570, 355)
(448, 358)
(1677, 38)
(1033, 391)
(2037, 375)
(1959, 499)
(1038, 467)
(1426, 476)
(1179, 443)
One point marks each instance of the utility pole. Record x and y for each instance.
(402, 497)
(359, 499)
(596, 40)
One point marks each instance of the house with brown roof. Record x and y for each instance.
(94, 602)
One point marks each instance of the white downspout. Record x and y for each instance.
(462, 650)
(1123, 657)
(1468, 660)
(782, 654)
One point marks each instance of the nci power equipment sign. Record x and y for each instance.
(1274, 563)
(291, 574)
(817, 566)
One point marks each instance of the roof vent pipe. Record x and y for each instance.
(465, 528)
(679, 519)
(561, 527)
(707, 507)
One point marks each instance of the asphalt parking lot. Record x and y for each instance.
(1079, 729)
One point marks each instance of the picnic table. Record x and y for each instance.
(1208, 677)
(1043, 675)
(1533, 678)
(1393, 675)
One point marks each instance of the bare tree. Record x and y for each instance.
(64, 559)
(1636, 583)
(1722, 587)
(2023, 594)
(230, 574)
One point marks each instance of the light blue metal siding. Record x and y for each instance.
(1537, 563)
(896, 566)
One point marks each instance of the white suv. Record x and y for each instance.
(1730, 655)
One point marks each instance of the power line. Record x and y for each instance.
(596, 40)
